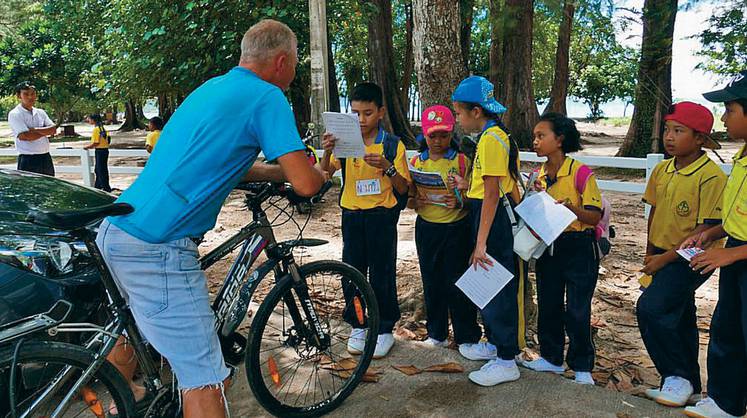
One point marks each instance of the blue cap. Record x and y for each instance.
(476, 89)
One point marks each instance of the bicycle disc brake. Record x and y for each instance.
(166, 404)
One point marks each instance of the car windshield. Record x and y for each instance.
(21, 192)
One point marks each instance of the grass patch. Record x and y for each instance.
(617, 122)
(7, 160)
(619, 172)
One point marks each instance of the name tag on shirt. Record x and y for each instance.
(367, 187)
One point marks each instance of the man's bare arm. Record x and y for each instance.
(35, 133)
(261, 171)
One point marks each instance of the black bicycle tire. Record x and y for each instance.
(79, 357)
(257, 383)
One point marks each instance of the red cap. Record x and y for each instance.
(437, 118)
(696, 117)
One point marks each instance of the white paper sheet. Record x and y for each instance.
(689, 253)
(346, 128)
(546, 218)
(482, 285)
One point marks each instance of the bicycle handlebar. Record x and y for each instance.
(261, 191)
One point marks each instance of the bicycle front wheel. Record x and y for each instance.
(290, 370)
(42, 365)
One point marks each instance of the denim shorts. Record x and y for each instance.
(167, 293)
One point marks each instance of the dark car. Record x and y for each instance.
(40, 265)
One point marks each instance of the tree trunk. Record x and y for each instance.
(131, 121)
(653, 93)
(496, 49)
(436, 41)
(522, 112)
(300, 98)
(115, 109)
(559, 92)
(467, 12)
(408, 66)
(382, 70)
(334, 92)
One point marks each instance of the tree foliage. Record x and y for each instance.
(724, 39)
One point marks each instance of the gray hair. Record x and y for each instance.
(265, 39)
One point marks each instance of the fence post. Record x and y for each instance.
(651, 161)
(85, 167)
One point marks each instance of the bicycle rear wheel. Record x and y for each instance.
(38, 363)
(292, 374)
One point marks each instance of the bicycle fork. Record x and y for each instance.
(316, 332)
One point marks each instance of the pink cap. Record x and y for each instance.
(437, 118)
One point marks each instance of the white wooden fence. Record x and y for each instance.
(85, 166)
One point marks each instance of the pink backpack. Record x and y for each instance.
(603, 231)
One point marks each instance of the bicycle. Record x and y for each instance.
(293, 333)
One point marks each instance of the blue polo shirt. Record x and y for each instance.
(204, 150)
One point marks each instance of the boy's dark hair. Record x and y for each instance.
(513, 152)
(367, 92)
(565, 126)
(24, 85)
(742, 102)
(157, 123)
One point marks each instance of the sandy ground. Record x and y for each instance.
(622, 363)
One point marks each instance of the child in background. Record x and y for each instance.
(370, 211)
(727, 349)
(443, 235)
(155, 126)
(685, 197)
(494, 176)
(100, 145)
(567, 271)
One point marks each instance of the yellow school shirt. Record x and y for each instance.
(564, 187)
(152, 138)
(491, 159)
(683, 199)
(735, 198)
(101, 141)
(446, 167)
(358, 170)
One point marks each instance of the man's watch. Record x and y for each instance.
(391, 171)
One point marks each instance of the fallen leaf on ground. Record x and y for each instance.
(408, 370)
(405, 334)
(342, 365)
(445, 368)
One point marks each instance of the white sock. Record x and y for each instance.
(584, 378)
(542, 365)
(506, 363)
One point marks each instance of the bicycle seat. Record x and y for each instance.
(75, 219)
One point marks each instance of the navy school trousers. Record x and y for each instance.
(443, 253)
(501, 315)
(565, 285)
(369, 243)
(668, 321)
(727, 350)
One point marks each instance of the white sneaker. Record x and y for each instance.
(675, 392)
(540, 365)
(494, 372)
(383, 344)
(432, 342)
(584, 378)
(357, 341)
(707, 408)
(478, 351)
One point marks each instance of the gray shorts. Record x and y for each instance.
(167, 293)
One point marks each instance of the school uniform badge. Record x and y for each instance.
(683, 209)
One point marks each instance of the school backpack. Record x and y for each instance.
(603, 232)
(390, 143)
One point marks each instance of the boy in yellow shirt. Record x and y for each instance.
(155, 126)
(727, 349)
(685, 197)
(372, 186)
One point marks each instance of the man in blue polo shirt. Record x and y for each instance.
(208, 146)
